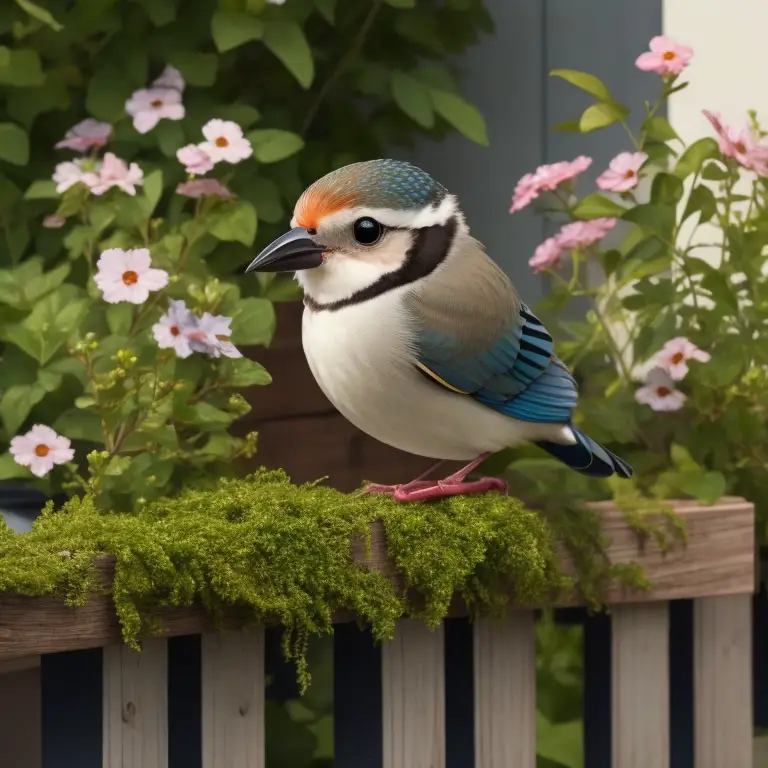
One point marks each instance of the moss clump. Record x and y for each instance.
(279, 553)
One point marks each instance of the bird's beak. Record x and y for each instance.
(291, 252)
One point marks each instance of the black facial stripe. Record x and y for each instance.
(429, 249)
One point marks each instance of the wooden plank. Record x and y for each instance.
(640, 700)
(505, 692)
(718, 560)
(233, 699)
(413, 700)
(136, 706)
(723, 682)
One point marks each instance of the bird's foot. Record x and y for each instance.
(391, 490)
(448, 487)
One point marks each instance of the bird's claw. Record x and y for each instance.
(425, 490)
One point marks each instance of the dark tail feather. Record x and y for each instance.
(588, 457)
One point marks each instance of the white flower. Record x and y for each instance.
(276, 2)
(127, 276)
(195, 159)
(674, 355)
(150, 105)
(659, 392)
(86, 134)
(225, 142)
(66, 175)
(41, 449)
(171, 330)
(170, 77)
(212, 336)
(115, 172)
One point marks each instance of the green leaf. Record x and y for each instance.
(21, 68)
(231, 30)
(265, 195)
(693, 158)
(596, 207)
(717, 284)
(160, 12)
(9, 469)
(413, 98)
(600, 116)
(659, 129)
(401, 3)
(327, 9)
(243, 114)
(85, 401)
(16, 404)
(108, 90)
(253, 322)
(666, 189)
(568, 125)
(235, 222)
(120, 318)
(43, 189)
(221, 445)
(41, 14)
(14, 144)
(22, 286)
(153, 190)
(207, 417)
(287, 41)
(462, 115)
(77, 424)
(197, 68)
(658, 219)
(271, 145)
(714, 172)
(702, 201)
(585, 81)
(243, 372)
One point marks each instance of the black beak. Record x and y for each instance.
(291, 252)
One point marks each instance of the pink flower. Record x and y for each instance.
(170, 77)
(115, 172)
(666, 57)
(41, 449)
(150, 105)
(128, 276)
(52, 221)
(225, 142)
(66, 175)
(546, 178)
(212, 336)
(744, 146)
(204, 188)
(547, 255)
(195, 159)
(674, 355)
(621, 174)
(581, 234)
(659, 392)
(86, 134)
(171, 330)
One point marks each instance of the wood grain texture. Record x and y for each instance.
(640, 682)
(723, 682)
(136, 706)
(413, 697)
(505, 691)
(718, 560)
(233, 699)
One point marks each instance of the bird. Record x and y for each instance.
(418, 337)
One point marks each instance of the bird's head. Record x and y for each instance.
(365, 229)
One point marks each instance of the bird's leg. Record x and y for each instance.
(390, 490)
(453, 485)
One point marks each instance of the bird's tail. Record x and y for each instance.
(587, 456)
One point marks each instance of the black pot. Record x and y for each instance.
(19, 506)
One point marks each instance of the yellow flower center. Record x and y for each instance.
(130, 277)
(42, 450)
(630, 174)
(678, 357)
(663, 391)
(156, 103)
(221, 141)
(668, 55)
(175, 331)
(739, 145)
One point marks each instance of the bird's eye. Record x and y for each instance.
(367, 231)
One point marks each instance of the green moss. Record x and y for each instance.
(279, 554)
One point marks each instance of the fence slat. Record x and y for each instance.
(233, 699)
(723, 681)
(136, 706)
(413, 697)
(640, 701)
(505, 692)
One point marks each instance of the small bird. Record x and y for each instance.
(417, 337)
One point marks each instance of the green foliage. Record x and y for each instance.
(312, 85)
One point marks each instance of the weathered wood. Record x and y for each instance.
(505, 692)
(640, 676)
(413, 700)
(718, 560)
(233, 699)
(723, 682)
(136, 706)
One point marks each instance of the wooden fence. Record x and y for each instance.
(461, 696)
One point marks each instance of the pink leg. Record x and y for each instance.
(453, 485)
(419, 482)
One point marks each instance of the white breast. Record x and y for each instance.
(361, 359)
